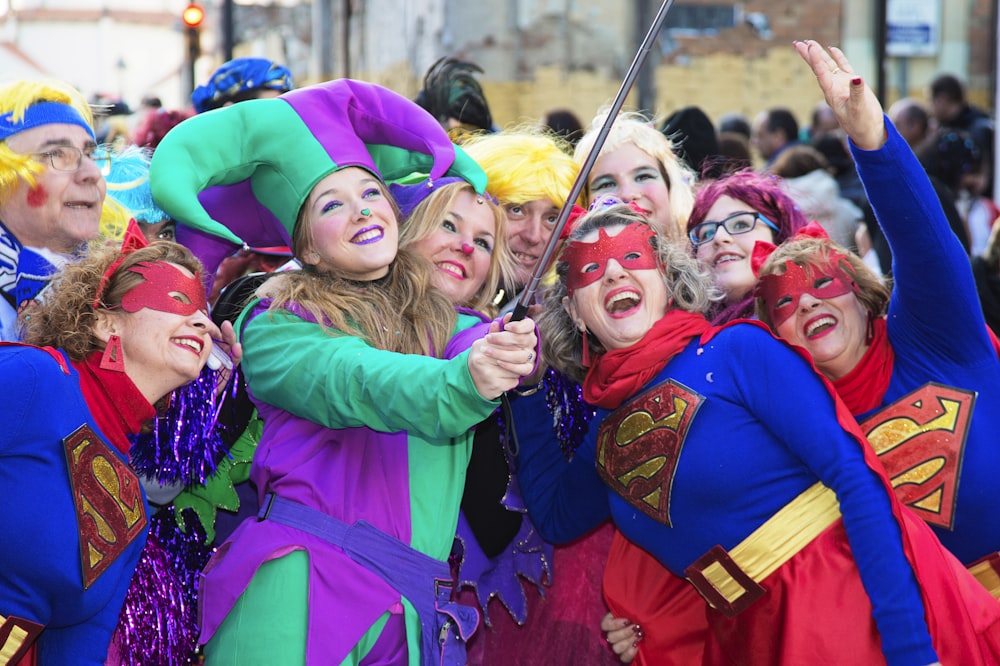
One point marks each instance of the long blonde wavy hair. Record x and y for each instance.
(631, 128)
(426, 218)
(401, 312)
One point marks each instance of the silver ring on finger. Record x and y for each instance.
(531, 356)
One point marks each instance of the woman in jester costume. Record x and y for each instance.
(366, 406)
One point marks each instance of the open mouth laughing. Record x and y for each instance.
(622, 302)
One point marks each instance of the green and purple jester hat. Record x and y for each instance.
(237, 176)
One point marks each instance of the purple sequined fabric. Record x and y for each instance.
(571, 416)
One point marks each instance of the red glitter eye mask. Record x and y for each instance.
(163, 282)
(632, 240)
(781, 293)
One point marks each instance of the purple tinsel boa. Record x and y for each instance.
(185, 446)
(157, 625)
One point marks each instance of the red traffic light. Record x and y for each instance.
(193, 15)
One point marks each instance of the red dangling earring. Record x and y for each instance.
(870, 333)
(586, 350)
(113, 358)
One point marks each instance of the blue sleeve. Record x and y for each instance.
(934, 291)
(565, 498)
(803, 416)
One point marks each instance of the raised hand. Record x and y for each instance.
(857, 109)
(498, 360)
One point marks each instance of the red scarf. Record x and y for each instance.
(863, 388)
(618, 374)
(114, 401)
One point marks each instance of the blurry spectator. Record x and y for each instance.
(154, 126)
(452, 94)
(734, 152)
(241, 79)
(111, 121)
(822, 122)
(986, 270)
(807, 177)
(693, 135)
(773, 131)
(952, 111)
(912, 119)
(564, 123)
(51, 189)
(150, 103)
(954, 159)
(736, 123)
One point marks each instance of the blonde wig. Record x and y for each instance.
(631, 128)
(524, 165)
(15, 98)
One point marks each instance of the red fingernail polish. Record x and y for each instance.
(856, 81)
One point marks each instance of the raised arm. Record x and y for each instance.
(857, 109)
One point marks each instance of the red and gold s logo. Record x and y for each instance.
(920, 439)
(110, 512)
(639, 444)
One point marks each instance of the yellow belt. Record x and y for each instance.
(730, 581)
(16, 636)
(987, 572)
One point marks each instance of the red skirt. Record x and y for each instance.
(815, 609)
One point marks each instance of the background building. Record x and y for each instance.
(537, 54)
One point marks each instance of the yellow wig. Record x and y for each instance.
(15, 98)
(523, 165)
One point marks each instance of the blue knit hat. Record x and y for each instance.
(237, 76)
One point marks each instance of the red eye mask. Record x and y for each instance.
(162, 280)
(630, 247)
(781, 293)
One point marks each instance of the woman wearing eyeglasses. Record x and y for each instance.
(729, 216)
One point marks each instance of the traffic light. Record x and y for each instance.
(192, 18)
(193, 15)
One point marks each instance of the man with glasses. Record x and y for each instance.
(51, 189)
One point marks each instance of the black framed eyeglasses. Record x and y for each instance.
(70, 158)
(735, 224)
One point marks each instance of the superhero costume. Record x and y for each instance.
(709, 458)
(76, 519)
(942, 397)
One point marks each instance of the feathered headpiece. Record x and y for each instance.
(452, 91)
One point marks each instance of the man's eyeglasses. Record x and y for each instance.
(735, 224)
(70, 158)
